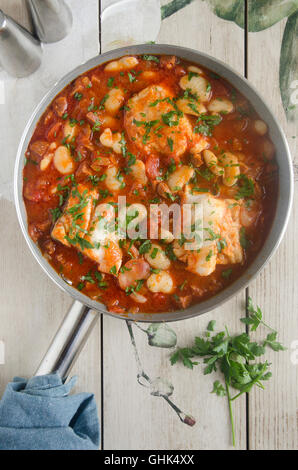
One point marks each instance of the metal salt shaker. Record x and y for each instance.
(52, 19)
(20, 52)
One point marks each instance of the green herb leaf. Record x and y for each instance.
(170, 143)
(244, 242)
(272, 343)
(145, 247)
(246, 187)
(231, 355)
(110, 82)
(219, 389)
(56, 213)
(255, 316)
(151, 57)
(211, 325)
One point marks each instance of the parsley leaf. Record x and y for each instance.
(255, 317)
(272, 343)
(151, 57)
(170, 143)
(56, 213)
(206, 123)
(244, 242)
(246, 187)
(110, 82)
(231, 356)
(145, 247)
(211, 325)
(219, 389)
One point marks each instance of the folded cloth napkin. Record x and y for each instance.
(39, 414)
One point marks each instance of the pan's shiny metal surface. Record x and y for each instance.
(282, 155)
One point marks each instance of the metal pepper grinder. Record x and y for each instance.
(52, 19)
(20, 52)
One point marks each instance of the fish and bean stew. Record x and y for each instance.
(154, 132)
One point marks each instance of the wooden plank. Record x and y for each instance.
(273, 413)
(32, 307)
(134, 419)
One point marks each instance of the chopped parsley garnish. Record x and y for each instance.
(81, 257)
(154, 252)
(123, 145)
(56, 213)
(96, 126)
(91, 106)
(151, 57)
(145, 247)
(140, 282)
(181, 287)
(96, 179)
(154, 270)
(170, 143)
(113, 270)
(101, 284)
(104, 193)
(192, 74)
(206, 174)
(221, 244)
(193, 107)
(170, 169)
(132, 78)
(148, 126)
(200, 190)
(102, 103)
(131, 160)
(155, 200)
(171, 118)
(78, 96)
(227, 273)
(170, 252)
(88, 277)
(29, 160)
(244, 242)
(213, 236)
(72, 122)
(172, 197)
(246, 187)
(78, 240)
(205, 124)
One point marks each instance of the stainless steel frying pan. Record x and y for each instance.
(84, 312)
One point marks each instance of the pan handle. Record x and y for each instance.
(69, 340)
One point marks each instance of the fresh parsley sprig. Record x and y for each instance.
(255, 317)
(232, 356)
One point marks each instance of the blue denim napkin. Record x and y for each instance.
(39, 414)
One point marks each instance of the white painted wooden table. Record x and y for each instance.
(32, 307)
